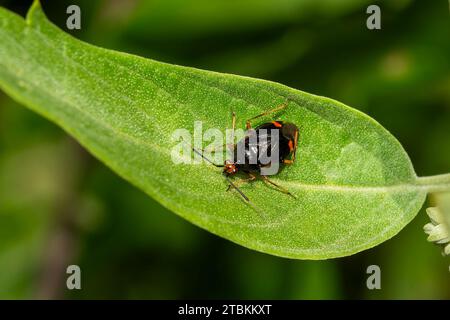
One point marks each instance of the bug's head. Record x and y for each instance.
(229, 168)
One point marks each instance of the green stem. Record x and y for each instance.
(439, 183)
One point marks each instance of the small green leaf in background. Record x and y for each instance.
(354, 183)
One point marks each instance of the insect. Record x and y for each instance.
(258, 141)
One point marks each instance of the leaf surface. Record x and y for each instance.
(354, 183)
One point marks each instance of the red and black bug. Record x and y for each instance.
(259, 141)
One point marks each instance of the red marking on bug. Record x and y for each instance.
(291, 145)
(277, 124)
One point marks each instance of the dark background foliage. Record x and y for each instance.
(60, 206)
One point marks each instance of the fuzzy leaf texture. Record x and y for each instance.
(354, 183)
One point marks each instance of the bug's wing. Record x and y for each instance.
(246, 150)
(268, 146)
(252, 150)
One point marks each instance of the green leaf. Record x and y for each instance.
(355, 185)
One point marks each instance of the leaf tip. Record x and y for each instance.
(34, 11)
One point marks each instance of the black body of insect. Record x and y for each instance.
(260, 141)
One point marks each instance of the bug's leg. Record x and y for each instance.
(295, 145)
(280, 188)
(233, 126)
(280, 107)
(293, 149)
(225, 145)
(246, 199)
(233, 129)
(250, 178)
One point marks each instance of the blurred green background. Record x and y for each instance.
(60, 206)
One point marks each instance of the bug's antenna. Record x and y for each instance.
(201, 155)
